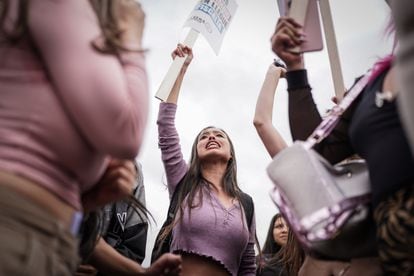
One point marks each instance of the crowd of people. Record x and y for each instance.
(73, 112)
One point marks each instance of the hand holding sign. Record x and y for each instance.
(183, 51)
(175, 68)
(211, 18)
(287, 35)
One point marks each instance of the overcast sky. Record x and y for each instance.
(222, 90)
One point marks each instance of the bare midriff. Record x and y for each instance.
(196, 265)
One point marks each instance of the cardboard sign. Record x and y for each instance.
(212, 18)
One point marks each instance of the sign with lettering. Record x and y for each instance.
(212, 18)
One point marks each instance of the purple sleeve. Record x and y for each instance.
(169, 143)
(106, 97)
(248, 260)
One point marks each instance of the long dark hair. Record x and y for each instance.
(270, 246)
(105, 10)
(268, 256)
(190, 184)
(291, 256)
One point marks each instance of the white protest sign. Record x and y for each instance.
(212, 18)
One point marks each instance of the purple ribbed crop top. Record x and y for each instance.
(212, 231)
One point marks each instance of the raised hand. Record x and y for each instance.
(181, 51)
(288, 35)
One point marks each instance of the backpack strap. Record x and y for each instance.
(248, 206)
(163, 246)
(331, 120)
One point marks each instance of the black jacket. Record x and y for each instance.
(124, 228)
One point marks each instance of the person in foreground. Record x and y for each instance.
(73, 96)
(370, 128)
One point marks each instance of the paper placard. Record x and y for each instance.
(212, 18)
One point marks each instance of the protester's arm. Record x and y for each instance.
(180, 51)
(106, 97)
(288, 35)
(304, 116)
(109, 262)
(269, 135)
(169, 143)
(168, 139)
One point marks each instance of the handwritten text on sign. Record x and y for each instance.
(212, 19)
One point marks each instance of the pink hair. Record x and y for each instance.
(380, 66)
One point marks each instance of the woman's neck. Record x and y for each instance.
(214, 174)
